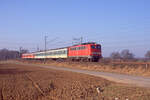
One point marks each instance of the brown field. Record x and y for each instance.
(20, 82)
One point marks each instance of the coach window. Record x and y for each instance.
(51, 53)
(72, 48)
(83, 47)
(58, 52)
(79, 48)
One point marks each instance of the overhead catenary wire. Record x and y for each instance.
(77, 40)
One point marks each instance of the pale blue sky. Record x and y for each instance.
(115, 24)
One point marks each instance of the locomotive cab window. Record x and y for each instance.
(98, 47)
(93, 47)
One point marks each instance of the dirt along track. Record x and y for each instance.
(37, 82)
(121, 78)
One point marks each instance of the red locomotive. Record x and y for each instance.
(85, 51)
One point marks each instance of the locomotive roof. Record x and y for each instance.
(49, 49)
(85, 43)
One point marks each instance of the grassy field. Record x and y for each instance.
(18, 82)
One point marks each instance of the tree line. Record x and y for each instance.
(6, 54)
(127, 55)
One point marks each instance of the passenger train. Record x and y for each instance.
(85, 52)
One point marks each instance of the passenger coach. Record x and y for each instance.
(54, 54)
(61, 53)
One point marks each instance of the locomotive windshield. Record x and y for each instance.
(96, 47)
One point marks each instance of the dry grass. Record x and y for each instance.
(132, 68)
(18, 82)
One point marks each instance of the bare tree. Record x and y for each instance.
(6, 54)
(115, 55)
(126, 54)
(147, 55)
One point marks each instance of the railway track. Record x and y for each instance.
(1, 92)
(2, 97)
(39, 89)
(35, 85)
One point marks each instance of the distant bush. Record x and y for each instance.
(115, 55)
(147, 55)
(124, 55)
(6, 54)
